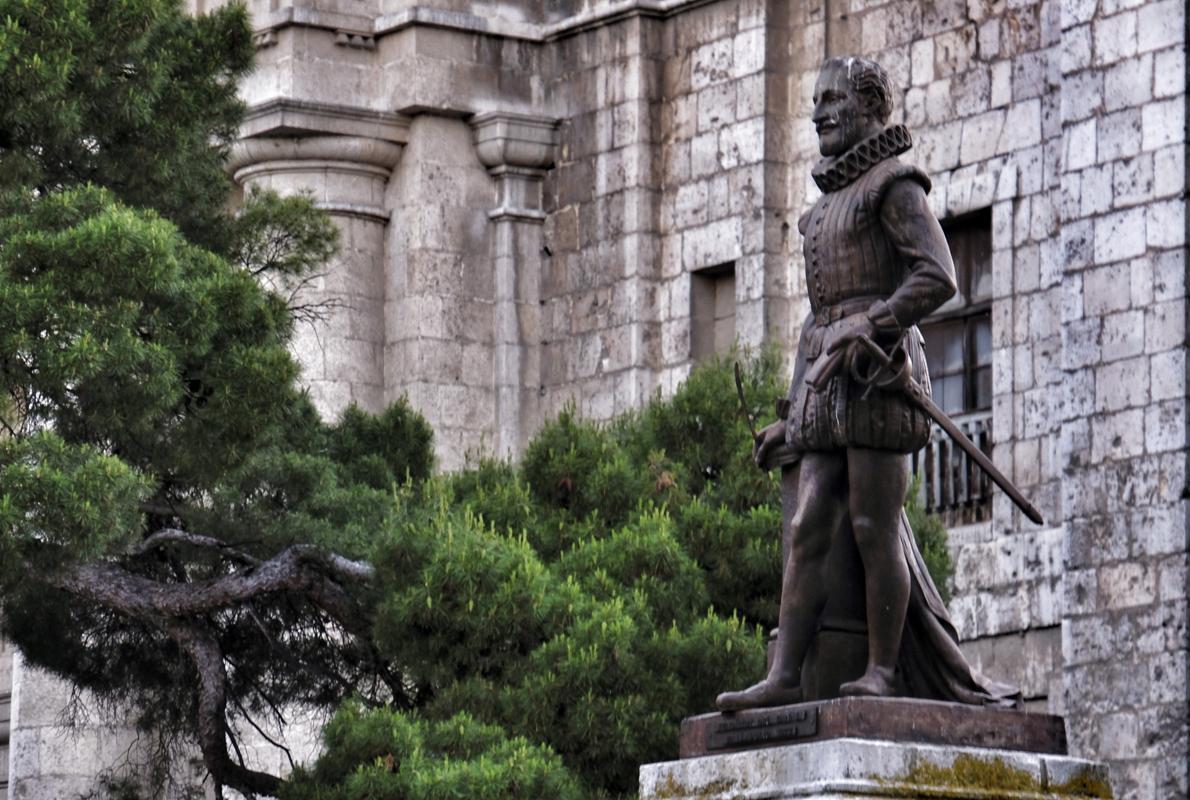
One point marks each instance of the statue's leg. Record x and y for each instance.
(821, 489)
(790, 476)
(878, 480)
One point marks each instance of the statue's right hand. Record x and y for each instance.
(766, 439)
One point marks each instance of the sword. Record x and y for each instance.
(889, 375)
(739, 390)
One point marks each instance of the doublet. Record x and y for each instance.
(871, 246)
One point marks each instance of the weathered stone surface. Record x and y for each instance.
(858, 767)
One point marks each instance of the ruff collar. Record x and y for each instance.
(833, 173)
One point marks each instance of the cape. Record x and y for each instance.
(931, 665)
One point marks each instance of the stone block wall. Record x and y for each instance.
(526, 189)
(726, 149)
(1122, 419)
(7, 662)
(600, 332)
(676, 150)
(45, 758)
(439, 289)
(1007, 608)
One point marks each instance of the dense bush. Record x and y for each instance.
(380, 754)
(571, 609)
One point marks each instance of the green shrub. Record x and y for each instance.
(931, 538)
(384, 754)
(740, 554)
(554, 621)
(642, 557)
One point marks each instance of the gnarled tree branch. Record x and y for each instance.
(167, 536)
(178, 609)
(203, 648)
(299, 568)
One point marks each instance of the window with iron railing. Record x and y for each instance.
(959, 354)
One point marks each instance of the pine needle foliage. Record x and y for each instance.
(176, 523)
(584, 600)
(135, 96)
(580, 602)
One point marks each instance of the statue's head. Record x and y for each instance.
(852, 101)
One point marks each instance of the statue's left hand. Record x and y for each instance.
(848, 331)
(770, 437)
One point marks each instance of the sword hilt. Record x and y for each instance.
(886, 371)
(897, 369)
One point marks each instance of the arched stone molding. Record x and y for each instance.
(347, 176)
(517, 150)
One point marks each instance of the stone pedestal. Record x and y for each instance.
(848, 768)
(893, 719)
(874, 747)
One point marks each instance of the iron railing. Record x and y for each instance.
(952, 484)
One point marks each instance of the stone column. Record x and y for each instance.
(342, 353)
(517, 150)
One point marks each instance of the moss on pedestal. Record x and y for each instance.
(991, 774)
(672, 789)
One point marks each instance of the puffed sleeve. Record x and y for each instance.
(920, 245)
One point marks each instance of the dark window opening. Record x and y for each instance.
(959, 335)
(712, 311)
(959, 355)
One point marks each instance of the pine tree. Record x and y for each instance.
(179, 533)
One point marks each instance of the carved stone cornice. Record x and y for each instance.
(355, 39)
(507, 139)
(517, 149)
(287, 117)
(537, 31)
(264, 38)
(312, 159)
(363, 152)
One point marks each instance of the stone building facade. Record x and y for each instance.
(553, 201)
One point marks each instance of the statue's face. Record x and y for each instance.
(840, 115)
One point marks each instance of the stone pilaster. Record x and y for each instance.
(517, 150)
(347, 176)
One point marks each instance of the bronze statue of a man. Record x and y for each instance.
(876, 263)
